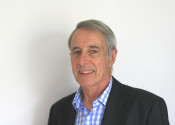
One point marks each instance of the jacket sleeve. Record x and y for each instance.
(158, 114)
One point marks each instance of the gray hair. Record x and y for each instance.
(97, 25)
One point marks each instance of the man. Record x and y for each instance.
(101, 99)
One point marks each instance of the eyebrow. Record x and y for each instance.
(91, 46)
(74, 48)
(94, 46)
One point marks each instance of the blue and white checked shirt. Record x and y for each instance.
(94, 117)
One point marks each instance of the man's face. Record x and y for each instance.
(90, 63)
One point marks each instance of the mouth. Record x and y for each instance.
(86, 72)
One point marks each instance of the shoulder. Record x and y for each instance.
(140, 105)
(64, 102)
(137, 99)
(135, 94)
(60, 110)
(63, 105)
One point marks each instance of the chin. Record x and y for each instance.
(85, 83)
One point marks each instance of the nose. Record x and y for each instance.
(83, 58)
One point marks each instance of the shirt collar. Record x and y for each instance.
(78, 99)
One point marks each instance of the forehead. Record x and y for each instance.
(84, 37)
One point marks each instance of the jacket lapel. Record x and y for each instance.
(116, 105)
(71, 121)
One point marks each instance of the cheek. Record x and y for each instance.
(103, 65)
(73, 63)
(100, 65)
(73, 60)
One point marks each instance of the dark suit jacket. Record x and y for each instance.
(125, 106)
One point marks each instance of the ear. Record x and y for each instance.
(113, 56)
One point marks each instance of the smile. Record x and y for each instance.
(86, 72)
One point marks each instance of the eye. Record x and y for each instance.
(93, 51)
(76, 52)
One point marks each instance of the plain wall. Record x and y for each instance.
(35, 69)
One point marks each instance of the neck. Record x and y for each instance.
(91, 93)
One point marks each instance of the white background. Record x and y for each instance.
(35, 69)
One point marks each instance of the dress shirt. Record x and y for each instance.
(94, 117)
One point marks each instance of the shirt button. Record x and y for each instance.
(86, 113)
